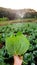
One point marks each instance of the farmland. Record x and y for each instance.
(5, 22)
(30, 31)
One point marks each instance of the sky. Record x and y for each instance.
(19, 4)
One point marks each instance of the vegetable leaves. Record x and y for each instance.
(17, 45)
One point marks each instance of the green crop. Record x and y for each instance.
(27, 29)
(17, 45)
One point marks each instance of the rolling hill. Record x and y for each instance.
(16, 14)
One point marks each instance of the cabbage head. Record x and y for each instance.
(17, 45)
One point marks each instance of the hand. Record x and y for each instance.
(17, 60)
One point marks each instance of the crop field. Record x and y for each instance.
(30, 31)
(5, 22)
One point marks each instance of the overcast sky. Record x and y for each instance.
(19, 4)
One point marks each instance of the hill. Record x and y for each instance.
(16, 14)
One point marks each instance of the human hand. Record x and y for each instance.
(17, 60)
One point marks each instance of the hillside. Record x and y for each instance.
(16, 14)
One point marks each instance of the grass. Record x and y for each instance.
(18, 20)
(4, 19)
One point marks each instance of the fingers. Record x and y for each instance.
(17, 60)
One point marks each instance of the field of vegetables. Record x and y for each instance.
(27, 29)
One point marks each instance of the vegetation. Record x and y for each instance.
(16, 14)
(27, 29)
(30, 15)
(10, 39)
(4, 19)
(17, 45)
(7, 13)
(18, 21)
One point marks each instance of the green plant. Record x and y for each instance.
(4, 19)
(28, 29)
(17, 45)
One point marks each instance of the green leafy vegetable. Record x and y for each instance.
(17, 45)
